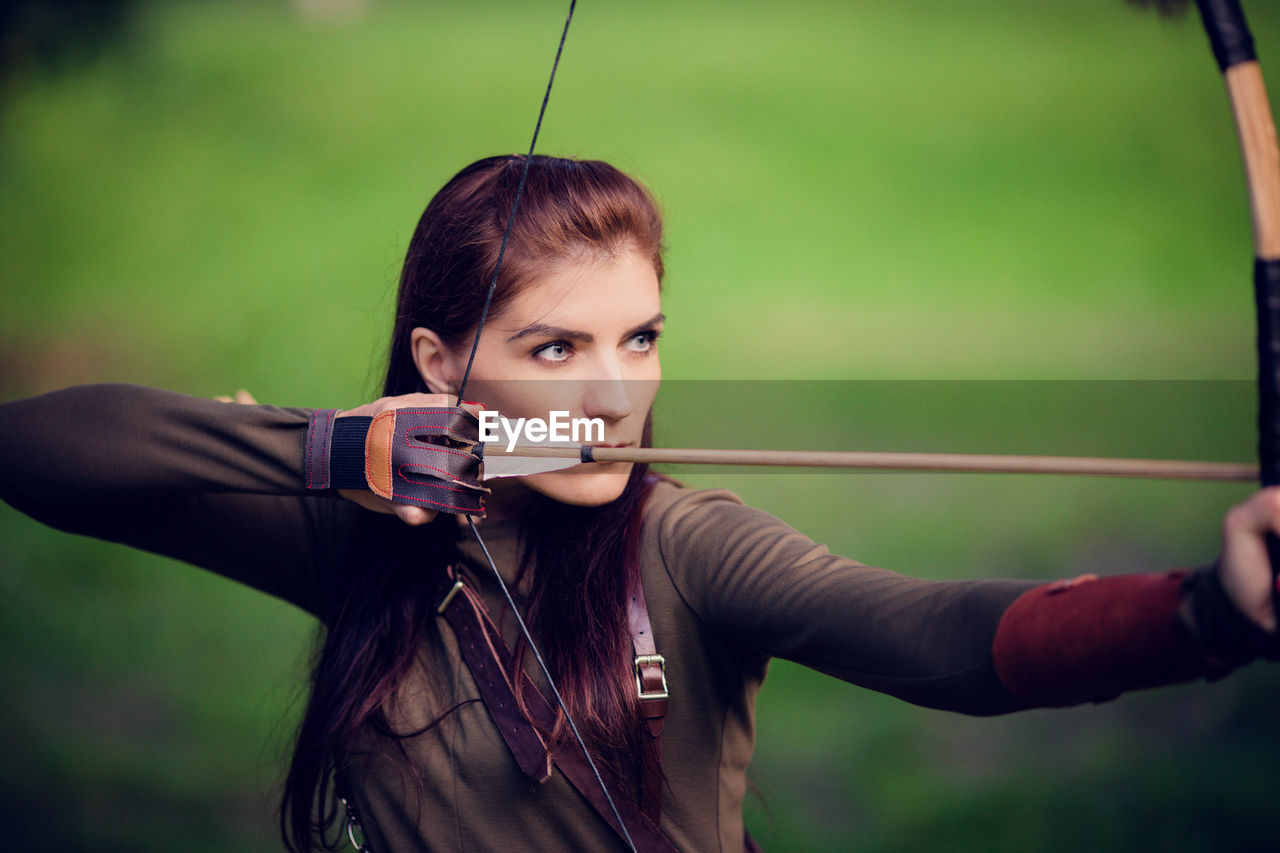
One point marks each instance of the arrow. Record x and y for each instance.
(526, 459)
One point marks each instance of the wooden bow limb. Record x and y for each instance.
(1232, 45)
(1167, 469)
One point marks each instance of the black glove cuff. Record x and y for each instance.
(1223, 634)
(346, 454)
(334, 449)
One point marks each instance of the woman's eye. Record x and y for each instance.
(642, 342)
(552, 352)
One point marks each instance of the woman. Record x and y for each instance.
(403, 718)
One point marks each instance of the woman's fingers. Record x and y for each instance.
(413, 515)
(410, 515)
(405, 401)
(1245, 568)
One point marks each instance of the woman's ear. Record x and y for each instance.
(433, 359)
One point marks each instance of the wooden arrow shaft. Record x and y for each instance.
(1169, 469)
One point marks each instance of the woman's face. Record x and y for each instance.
(581, 339)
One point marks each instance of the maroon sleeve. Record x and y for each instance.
(1092, 638)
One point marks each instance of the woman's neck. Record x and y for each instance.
(509, 500)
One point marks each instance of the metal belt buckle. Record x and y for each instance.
(444, 605)
(649, 660)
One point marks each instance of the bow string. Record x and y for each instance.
(475, 344)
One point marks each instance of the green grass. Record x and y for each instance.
(881, 190)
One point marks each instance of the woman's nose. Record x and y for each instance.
(606, 398)
(606, 394)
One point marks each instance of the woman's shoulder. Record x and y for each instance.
(669, 496)
(671, 506)
(727, 563)
(716, 523)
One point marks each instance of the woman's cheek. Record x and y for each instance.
(530, 398)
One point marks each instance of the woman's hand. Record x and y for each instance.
(1244, 569)
(411, 515)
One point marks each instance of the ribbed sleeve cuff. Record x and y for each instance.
(335, 451)
(346, 457)
(1225, 636)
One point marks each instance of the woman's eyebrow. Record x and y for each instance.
(554, 332)
(581, 337)
(646, 325)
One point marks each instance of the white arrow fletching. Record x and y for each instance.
(501, 465)
(497, 463)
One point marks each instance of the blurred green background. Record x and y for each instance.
(893, 190)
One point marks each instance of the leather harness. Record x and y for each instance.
(490, 662)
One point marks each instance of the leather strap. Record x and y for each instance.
(651, 685)
(489, 660)
(319, 439)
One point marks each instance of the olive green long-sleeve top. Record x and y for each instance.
(728, 587)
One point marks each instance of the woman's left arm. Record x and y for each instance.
(979, 647)
(1091, 638)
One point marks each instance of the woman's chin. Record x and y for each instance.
(595, 485)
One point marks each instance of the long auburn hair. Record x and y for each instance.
(583, 559)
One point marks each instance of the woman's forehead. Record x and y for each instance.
(601, 292)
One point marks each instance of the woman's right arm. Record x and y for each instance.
(221, 486)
